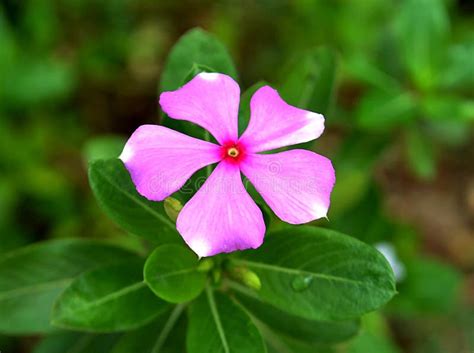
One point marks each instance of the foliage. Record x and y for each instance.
(395, 81)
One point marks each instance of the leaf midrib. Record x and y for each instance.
(298, 272)
(217, 320)
(111, 296)
(174, 273)
(34, 288)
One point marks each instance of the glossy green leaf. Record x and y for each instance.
(172, 273)
(319, 274)
(218, 325)
(311, 82)
(107, 299)
(422, 28)
(166, 334)
(382, 111)
(72, 342)
(195, 70)
(195, 47)
(280, 344)
(116, 194)
(31, 278)
(310, 331)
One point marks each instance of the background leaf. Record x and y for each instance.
(459, 70)
(32, 277)
(171, 271)
(419, 291)
(420, 153)
(367, 342)
(216, 324)
(323, 275)
(422, 28)
(311, 82)
(195, 47)
(107, 299)
(116, 194)
(382, 111)
(104, 147)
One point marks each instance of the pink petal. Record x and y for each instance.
(210, 100)
(160, 160)
(274, 123)
(295, 184)
(221, 216)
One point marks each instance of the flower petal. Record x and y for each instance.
(221, 216)
(274, 123)
(160, 160)
(295, 184)
(210, 100)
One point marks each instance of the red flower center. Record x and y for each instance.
(232, 152)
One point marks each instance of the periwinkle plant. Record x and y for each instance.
(305, 286)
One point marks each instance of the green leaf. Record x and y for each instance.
(162, 335)
(420, 154)
(216, 324)
(244, 107)
(319, 274)
(309, 331)
(38, 80)
(363, 70)
(382, 111)
(459, 71)
(422, 29)
(196, 69)
(107, 299)
(116, 194)
(453, 133)
(420, 292)
(31, 278)
(367, 342)
(195, 47)
(354, 163)
(71, 342)
(172, 273)
(103, 147)
(311, 82)
(448, 108)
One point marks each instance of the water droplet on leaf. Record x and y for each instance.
(302, 283)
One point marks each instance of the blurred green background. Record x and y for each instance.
(395, 80)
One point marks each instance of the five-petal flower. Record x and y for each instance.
(221, 216)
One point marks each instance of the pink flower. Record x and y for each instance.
(221, 216)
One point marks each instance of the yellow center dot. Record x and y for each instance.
(233, 152)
